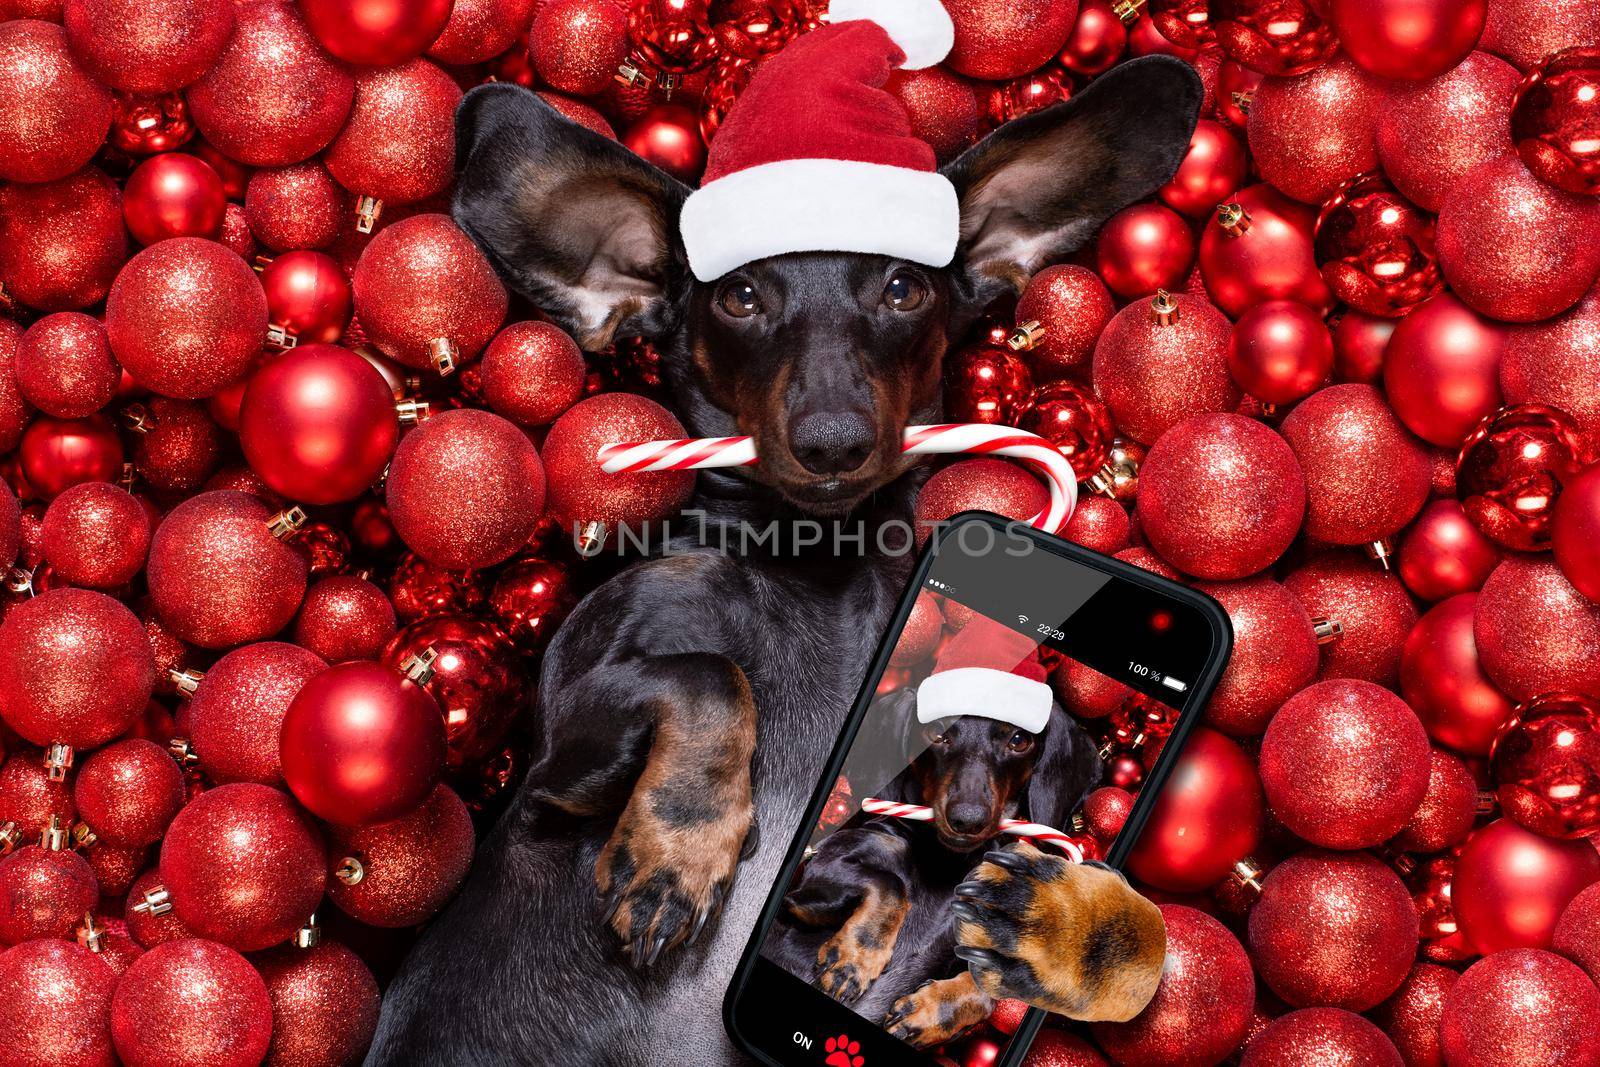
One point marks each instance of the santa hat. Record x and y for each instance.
(816, 156)
(988, 670)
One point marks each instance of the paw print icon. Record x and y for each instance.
(842, 1052)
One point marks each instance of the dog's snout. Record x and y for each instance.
(967, 819)
(832, 442)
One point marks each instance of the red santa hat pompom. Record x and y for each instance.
(991, 671)
(817, 157)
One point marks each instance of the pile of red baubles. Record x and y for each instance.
(292, 500)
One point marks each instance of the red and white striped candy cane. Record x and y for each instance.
(967, 438)
(1035, 831)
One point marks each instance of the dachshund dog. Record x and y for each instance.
(687, 705)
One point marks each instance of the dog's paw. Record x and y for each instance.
(1073, 938)
(939, 1011)
(844, 972)
(842, 1052)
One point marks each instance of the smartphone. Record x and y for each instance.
(1020, 674)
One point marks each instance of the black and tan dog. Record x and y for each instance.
(694, 698)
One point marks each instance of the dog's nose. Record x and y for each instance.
(967, 819)
(832, 442)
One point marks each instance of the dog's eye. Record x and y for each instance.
(1021, 741)
(933, 735)
(905, 292)
(740, 300)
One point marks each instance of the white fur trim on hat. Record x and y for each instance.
(922, 28)
(819, 205)
(985, 692)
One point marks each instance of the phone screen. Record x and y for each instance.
(1024, 676)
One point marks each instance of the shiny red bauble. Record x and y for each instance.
(1274, 654)
(404, 870)
(1555, 120)
(1072, 305)
(57, 454)
(668, 136)
(1442, 370)
(986, 383)
(1198, 513)
(1070, 417)
(362, 744)
(1258, 247)
(477, 680)
(1278, 38)
(191, 1001)
(1375, 248)
(376, 33)
(1326, 1037)
(129, 792)
(236, 712)
(1311, 134)
(1333, 928)
(1536, 633)
(62, 243)
(1576, 531)
(1410, 40)
(581, 493)
(53, 115)
(1521, 1006)
(1511, 885)
(530, 599)
(344, 617)
(1280, 351)
(1160, 361)
(308, 297)
(1444, 553)
(1213, 168)
(1208, 817)
(145, 125)
(47, 892)
(996, 43)
(577, 45)
(1096, 41)
(64, 367)
(324, 1004)
(58, 996)
(1144, 248)
(75, 666)
(1546, 766)
(1186, 23)
(398, 144)
(1513, 469)
(532, 372)
(173, 195)
(318, 424)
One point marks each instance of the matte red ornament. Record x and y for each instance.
(1274, 654)
(577, 45)
(997, 43)
(1236, 87)
(404, 870)
(532, 372)
(237, 710)
(30, 798)
(191, 1002)
(1333, 928)
(530, 599)
(1513, 247)
(64, 366)
(943, 109)
(1209, 816)
(274, 97)
(345, 617)
(1278, 38)
(1200, 514)
(47, 891)
(58, 999)
(173, 195)
(299, 206)
(426, 295)
(398, 145)
(1555, 120)
(1558, 363)
(1371, 607)
(668, 136)
(62, 243)
(53, 115)
(1161, 361)
(1444, 553)
(362, 744)
(129, 792)
(1096, 41)
(376, 33)
(1546, 766)
(986, 383)
(57, 454)
(324, 1004)
(1441, 679)
(1213, 168)
(1258, 247)
(1513, 469)
(1072, 306)
(1408, 40)
(1511, 885)
(1098, 523)
(1576, 531)
(982, 484)
(308, 297)
(1144, 248)
(1522, 1006)
(1375, 248)
(1448, 808)
(1280, 351)
(1320, 1037)
(1442, 369)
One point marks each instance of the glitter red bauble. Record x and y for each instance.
(148, 48)
(1558, 363)
(530, 599)
(46, 892)
(1311, 134)
(943, 108)
(1513, 247)
(999, 42)
(10, 527)
(979, 484)
(57, 454)
(1098, 523)
(1576, 530)
(63, 365)
(477, 681)
(191, 1003)
(577, 45)
(1202, 514)
(29, 798)
(62, 243)
(1208, 817)
(324, 1004)
(58, 1003)
(295, 207)
(1144, 248)
(1442, 369)
(1366, 477)
(1265, 255)
(1411, 1016)
(362, 744)
(1274, 654)
(1555, 120)
(53, 115)
(186, 317)
(173, 195)
(1546, 766)
(580, 493)
(144, 927)
(75, 666)
(986, 383)
(422, 286)
(274, 97)
(376, 33)
(1106, 811)
(1321, 1037)
(1444, 553)
(1213, 168)
(1448, 808)
(1511, 885)
(15, 412)
(1280, 351)
(409, 867)
(1057, 1048)
(668, 136)
(1444, 683)
(237, 711)
(344, 617)
(1375, 248)
(1577, 935)
(399, 142)
(1333, 928)
(308, 296)
(920, 635)
(1073, 306)
(532, 372)
(1153, 374)
(1522, 1006)
(1409, 40)
(1372, 609)
(1276, 37)
(179, 446)
(480, 30)
(318, 424)
(128, 792)
(1512, 472)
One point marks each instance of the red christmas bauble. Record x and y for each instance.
(15, 412)
(63, 365)
(1106, 811)
(577, 45)
(426, 295)
(62, 243)
(672, 36)
(75, 666)
(986, 383)
(1555, 120)
(399, 142)
(191, 1002)
(668, 136)
(178, 446)
(1359, 341)
(1027, 94)
(1558, 363)
(1511, 885)
(581, 113)
(1576, 530)
(148, 48)
(532, 372)
(1375, 248)
(477, 680)
(1444, 553)
(1258, 247)
(1274, 654)
(1070, 417)
(58, 999)
(1448, 808)
(308, 296)
(1431, 134)
(1186, 23)
(1443, 681)
(1236, 87)
(144, 125)
(1333, 928)
(1408, 40)
(1525, 31)
(1208, 817)
(1512, 472)
(1513, 247)
(530, 599)
(1372, 609)
(1280, 351)
(377, 33)
(1201, 516)
(274, 97)
(1098, 523)
(1546, 766)
(1577, 935)
(128, 792)
(294, 207)
(218, 575)
(1522, 1006)
(1278, 37)
(10, 527)
(1144, 248)
(1442, 369)
(943, 108)
(920, 636)
(1096, 41)
(1160, 361)
(418, 590)
(1411, 1016)
(235, 235)
(1073, 306)
(979, 484)
(53, 115)
(47, 891)
(580, 493)
(1311, 134)
(746, 29)
(145, 927)
(237, 711)
(480, 30)
(1320, 1037)
(324, 1004)
(1057, 1048)
(173, 195)
(29, 798)
(1213, 168)
(405, 870)
(57, 454)
(1000, 42)
(362, 744)
(344, 617)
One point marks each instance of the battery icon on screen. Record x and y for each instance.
(1172, 683)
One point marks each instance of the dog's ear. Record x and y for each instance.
(574, 221)
(1067, 769)
(1039, 187)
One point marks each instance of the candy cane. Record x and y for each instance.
(967, 438)
(1036, 831)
